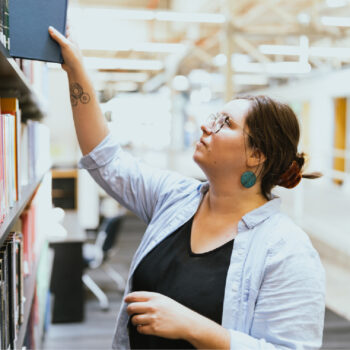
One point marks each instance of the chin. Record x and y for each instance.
(197, 159)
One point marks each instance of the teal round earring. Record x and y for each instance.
(248, 179)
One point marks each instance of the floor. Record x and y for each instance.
(97, 330)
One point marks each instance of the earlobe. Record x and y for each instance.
(256, 158)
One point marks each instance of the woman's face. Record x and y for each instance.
(224, 152)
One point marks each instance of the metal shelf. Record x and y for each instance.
(28, 289)
(16, 210)
(13, 83)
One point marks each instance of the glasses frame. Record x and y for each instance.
(216, 121)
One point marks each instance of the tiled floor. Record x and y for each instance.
(97, 330)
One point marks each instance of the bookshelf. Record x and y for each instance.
(15, 212)
(14, 83)
(29, 287)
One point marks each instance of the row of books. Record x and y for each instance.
(24, 153)
(4, 23)
(33, 224)
(11, 289)
(21, 255)
(37, 74)
(9, 152)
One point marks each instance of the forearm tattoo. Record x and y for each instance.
(77, 94)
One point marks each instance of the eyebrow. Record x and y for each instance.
(234, 122)
(231, 119)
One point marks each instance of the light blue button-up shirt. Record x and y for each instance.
(275, 286)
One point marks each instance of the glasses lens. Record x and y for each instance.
(215, 122)
(219, 122)
(211, 121)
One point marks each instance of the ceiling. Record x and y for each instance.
(270, 41)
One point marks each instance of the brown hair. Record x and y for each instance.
(274, 130)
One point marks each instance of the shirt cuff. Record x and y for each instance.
(242, 341)
(102, 154)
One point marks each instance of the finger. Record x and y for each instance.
(138, 296)
(56, 35)
(67, 26)
(138, 308)
(140, 319)
(144, 329)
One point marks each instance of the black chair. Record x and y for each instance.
(96, 256)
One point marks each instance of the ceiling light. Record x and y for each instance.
(303, 18)
(159, 47)
(336, 52)
(137, 47)
(138, 77)
(119, 14)
(220, 60)
(114, 63)
(126, 86)
(190, 17)
(249, 79)
(274, 68)
(180, 83)
(335, 21)
(148, 15)
(236, 58)
(336, 3)
(289, 50)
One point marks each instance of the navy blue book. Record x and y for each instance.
(29, 23)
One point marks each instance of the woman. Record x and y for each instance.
(219, 265)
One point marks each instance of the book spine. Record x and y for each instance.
(20, 273)
(1, 22)
(2, 306)
(6, 166)
(17, 154)
(2, 188)
(11, 251)
(6, 323)
(7, 25)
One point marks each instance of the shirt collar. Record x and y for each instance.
(203, 187)
(260, 214)
(257, 215)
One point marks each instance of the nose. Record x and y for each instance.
(205, 128)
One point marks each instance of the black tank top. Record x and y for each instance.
(197, 281)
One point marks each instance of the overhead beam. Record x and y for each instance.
(251, 49)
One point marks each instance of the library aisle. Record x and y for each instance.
(96, 332)
(160, 70)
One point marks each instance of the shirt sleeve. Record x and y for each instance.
(290, 307)
(134, 184)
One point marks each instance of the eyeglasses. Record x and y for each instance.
(216, 121)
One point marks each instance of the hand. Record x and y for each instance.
(70, 51)
(157, 314)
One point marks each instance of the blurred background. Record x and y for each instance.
(160, 67)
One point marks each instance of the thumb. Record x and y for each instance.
(57, 36)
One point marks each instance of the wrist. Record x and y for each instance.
(193, 327)
(202, 333)
(75, 71)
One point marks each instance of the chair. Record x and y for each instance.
(96, 256)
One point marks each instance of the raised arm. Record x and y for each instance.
(90, 125)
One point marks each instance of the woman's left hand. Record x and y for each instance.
(157, 314)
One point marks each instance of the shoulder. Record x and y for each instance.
(287, 241)
(281, 230)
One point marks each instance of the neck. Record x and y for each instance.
(227, 200)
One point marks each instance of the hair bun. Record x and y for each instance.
(291, 177)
